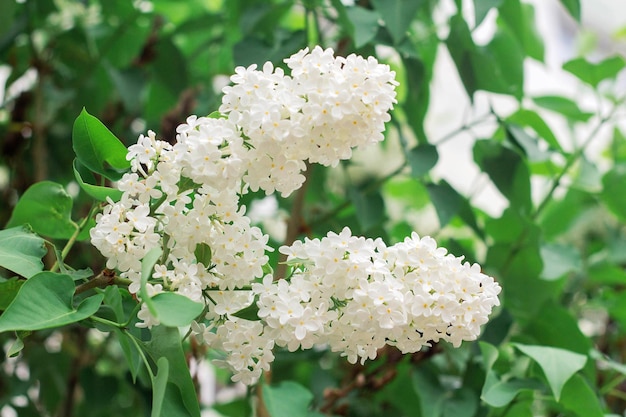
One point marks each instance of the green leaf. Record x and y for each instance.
(409, 191)
(559, 259)
(249, 313)
(499, 66)
(21, 251)
(422, 159)
(558, 365)
(447, 201)
(147, 266)
(130, 85)
(507, 170)
(463, 52)
(482, 7)
(130, 351)
(580, 398)
(239, 407)
(606, 273)
(564, 106)
(175, 310)
(97, 148)
(47, 207)
(159, 384)
(588, 177)
(288, 399)
(170, 309)
(44, 302)
(499, 393)
(526, 143)
(181, 392)
(365, 23)
(8, 291)
(397, 15)
(591, 73)
(203, 254)
(16, 347)
(99, 193)
(613, 193)
(370, 207)
(520, 19)
(170, 66)
(432, 395)
(462, 403)
(7, 11)
(529, 118)
(550, 317)
(573, 8)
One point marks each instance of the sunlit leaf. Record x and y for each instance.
(558, 365)
(482, 7)
(365, 23)
(564, 106)
(288, 399)
(47, 208)
(528, 144)
(496, 392)
(159, 384)
(520, 19)
(422, 159)
(397, 15)
(529, 118)
(558, 260)
(97, 148)
(594, 73)
(180, 393)
(81, 173)
(614, 191)
(46, 301)
(573, 8)
(175, 309)
(21, 251)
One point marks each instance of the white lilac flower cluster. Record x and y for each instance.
(356, 295)
(349, 293)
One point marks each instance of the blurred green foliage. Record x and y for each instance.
(555, 348)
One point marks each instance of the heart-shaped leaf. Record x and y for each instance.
(46, 301)
(21, 251)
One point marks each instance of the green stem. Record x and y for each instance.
(465, 127)
(72, 240)
(517, 245)
(107, 322)
(569, 163)
(619, 379)
(141, 353)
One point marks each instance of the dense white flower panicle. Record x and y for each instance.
(349, 293)
(328, 106)
(406, 295)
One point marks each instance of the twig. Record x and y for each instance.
(294, 224)
(103, 279)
